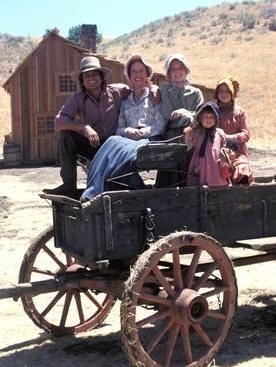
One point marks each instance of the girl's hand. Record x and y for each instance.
(134, 134)
(92, 136)
(186, 134)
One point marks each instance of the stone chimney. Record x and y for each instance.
(88, 37)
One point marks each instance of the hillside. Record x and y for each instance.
(233, 38)
(236, 38)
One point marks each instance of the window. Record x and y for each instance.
(45, 125)
(66, 84)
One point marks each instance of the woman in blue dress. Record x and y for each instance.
(140, 121)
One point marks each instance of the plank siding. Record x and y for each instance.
(42, 79)
(15, 110)
(25, 113)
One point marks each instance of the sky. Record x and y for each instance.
(113, 17)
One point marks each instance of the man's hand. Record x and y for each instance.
(134, 134)
(92, 136)
(181, 112)
(155, 94)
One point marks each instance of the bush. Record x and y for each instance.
(170, 44)
(232, 6)
(272, 25)
(248, 20)
(216, 40)
(225, 23)
(162, 57)
(248, 38)
(203, 36)
(170, 33)
(214, 23)
(222, 16)
(268, 12)
(159, 40)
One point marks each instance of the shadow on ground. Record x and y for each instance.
(252, 336)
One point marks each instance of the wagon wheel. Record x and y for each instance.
(67, 311)
(188, 286)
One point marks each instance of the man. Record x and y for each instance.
(86, 120)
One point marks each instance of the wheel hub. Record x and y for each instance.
(190, 305)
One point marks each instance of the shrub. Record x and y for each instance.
(232, 6)
(268, 12)
(159, 40)
(272, 25)
(162, 57)
(170, 44)
(225, 23)
(248, 20)
(222, 16)
(170, 33)
(203, 36)
(214, 23)
(248, 38)
(216, 40)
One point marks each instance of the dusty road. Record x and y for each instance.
(23, 215)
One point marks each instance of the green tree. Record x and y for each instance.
(74, 34)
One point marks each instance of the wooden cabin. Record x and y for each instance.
(40, 85)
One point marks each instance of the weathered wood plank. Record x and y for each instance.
(260, 244)
(25, 113)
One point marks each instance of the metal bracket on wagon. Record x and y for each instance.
(149, 227)
(108, 222)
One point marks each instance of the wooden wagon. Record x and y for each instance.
(161, 251)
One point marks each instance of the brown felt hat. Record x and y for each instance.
(90, 63)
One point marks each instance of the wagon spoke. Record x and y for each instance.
(178, 281)
(154, 299)
(203, 335)
(54, 257)
(185, 332)
(216, 315)
(163, 281)
(53, 303)
(93, 299)
(79, 306)
(171, 343)
(159, 335)
(192, 269)
(43, 271)
(68, 299)
(153, 318)
(214, 292)
(212, 267)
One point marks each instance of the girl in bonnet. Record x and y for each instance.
(205, 142)
(179, 99)
(233, 121)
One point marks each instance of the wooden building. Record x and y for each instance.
(40, 85)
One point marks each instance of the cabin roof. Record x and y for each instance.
(53, 33)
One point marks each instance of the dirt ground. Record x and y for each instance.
(23, 215)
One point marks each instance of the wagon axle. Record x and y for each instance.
(72, 279)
